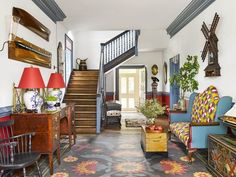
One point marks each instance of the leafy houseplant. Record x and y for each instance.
(51, 101)
(151, 109)
(185, 78)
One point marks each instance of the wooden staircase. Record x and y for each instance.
(82, 90)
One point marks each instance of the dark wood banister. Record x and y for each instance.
(114, 38)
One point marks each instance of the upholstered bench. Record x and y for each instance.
(192, 128)
(113, 114)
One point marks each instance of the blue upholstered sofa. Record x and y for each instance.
(192, 128)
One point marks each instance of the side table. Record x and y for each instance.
(153, 141)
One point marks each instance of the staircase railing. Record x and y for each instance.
(100, 93)
(111, 50)
(120, 44)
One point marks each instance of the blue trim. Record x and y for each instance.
(194, 8)
(5, 111)
(51, 9)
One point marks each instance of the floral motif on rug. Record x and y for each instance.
(173, 167)
(70, 159)
(130, 167)
(201, 174)
(60, 174)
(86, 167)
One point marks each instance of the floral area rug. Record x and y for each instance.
(134, 122)
(118, 153)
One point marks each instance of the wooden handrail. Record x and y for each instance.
(114, 38)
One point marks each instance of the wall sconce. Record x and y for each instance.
(14, 21)
(56, 82)
(31, 79)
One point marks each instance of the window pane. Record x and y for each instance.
(131, 103)
(131, 85)
(123, 85)
(124, 102)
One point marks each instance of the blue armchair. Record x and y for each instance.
(192, 128)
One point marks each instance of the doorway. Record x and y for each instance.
(174, 89)
(131, 86)
(68, 58)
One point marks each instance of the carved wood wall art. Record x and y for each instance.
(22, 50)
(31, 23)
(211, 48)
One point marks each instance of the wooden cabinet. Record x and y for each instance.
(47, 130)
(153, 141)
(222, 155)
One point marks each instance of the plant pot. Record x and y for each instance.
(182, 104)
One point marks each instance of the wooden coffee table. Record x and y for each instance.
(153, 141)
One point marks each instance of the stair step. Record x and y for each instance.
(85, 130)
(83, 82)
(85, 73)
(81, 101)
(82, 115)
(84, 78)
(79, 108)
(74, 95)
(85, 122)
(85, 118)
(82, 90)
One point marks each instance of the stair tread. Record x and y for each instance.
(85, 126)
(85, 105)
(89, 94)
(85, 112)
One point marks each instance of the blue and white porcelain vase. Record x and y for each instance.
(30, 99)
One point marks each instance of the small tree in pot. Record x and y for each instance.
(185, 78)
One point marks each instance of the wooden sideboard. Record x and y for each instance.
(47, 127)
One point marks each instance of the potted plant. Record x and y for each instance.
(152, 109)
(51, 101)
(185, 78)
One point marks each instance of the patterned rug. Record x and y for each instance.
(118, 153)
(134, 122)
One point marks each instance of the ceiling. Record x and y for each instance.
(120, 14)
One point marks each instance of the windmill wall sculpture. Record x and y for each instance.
(211, 48)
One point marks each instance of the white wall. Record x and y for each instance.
(11, 70)
(87, 45)
(190, 41)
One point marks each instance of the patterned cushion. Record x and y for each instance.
(205, 105)
(181, 130)
(114, 113)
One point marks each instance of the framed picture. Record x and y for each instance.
(165, 72)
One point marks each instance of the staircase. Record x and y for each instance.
(82, 90)
(119, 49)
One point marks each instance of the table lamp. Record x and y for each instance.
(56, 82)
(31, 79)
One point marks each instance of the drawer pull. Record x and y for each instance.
(155, 141)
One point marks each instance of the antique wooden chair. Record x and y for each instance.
(15, 151)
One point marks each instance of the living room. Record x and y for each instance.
(162, 39)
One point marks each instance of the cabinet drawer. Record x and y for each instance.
(155, 145)
(156, 135)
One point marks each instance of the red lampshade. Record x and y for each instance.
(31, 78)
(56, 81)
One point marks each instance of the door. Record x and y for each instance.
(68, 57)
(129, 89)
(174, 89)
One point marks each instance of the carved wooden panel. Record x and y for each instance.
(31, 23)
(22, 50)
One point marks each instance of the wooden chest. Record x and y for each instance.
(153, 141)
(222, 155)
